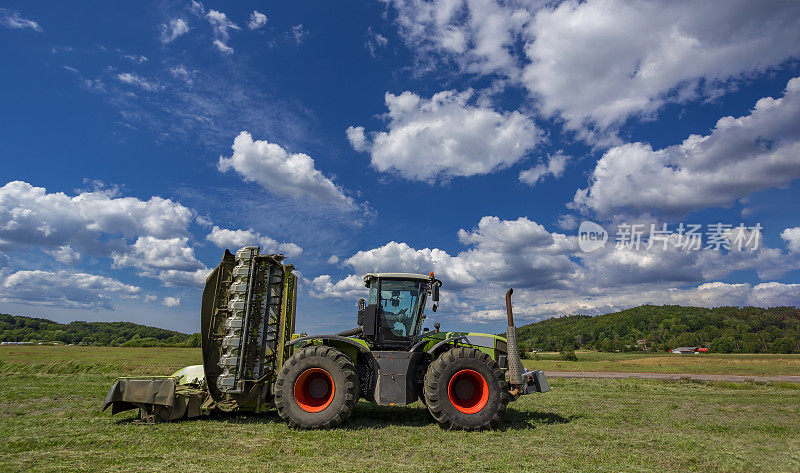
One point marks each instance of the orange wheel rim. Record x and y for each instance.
(468, 391)
(314, 390)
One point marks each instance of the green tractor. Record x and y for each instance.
(253, 363)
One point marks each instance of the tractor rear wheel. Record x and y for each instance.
(316, 388)
(466, 390)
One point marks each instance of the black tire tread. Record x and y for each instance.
(433, 379)
(351, 386)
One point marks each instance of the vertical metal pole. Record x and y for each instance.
(514, 361)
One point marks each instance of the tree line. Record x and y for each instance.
(14, 328)
(661, 328)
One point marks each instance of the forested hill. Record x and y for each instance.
(15, 328)
(723, 329)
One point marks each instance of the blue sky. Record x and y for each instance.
(469, 138)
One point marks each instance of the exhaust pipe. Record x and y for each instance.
(514, 362)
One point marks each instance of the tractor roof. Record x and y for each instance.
(412, 276)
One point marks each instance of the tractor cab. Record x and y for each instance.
(392, 316)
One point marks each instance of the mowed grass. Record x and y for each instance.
(52, 422)
(650, 362)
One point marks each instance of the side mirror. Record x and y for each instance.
(435, 291)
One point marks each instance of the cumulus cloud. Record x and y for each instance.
(357, 138)
(631, 58)
(170, 31)
(555, 166)
(12, 19)
(281, 172)
(65, 254)
(99, 224)
(63, 289)
(741, 155)
(31, 216)
(351, 287)
(478, 35)
(257, 20)
(792, 238)
(446, 136)
(152, 254)
(546, 266)
(171, 301)
(596, 63)
(712, 294)
(235, 239)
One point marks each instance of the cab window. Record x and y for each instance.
(400, 305)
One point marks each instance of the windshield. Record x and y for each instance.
(401, 303)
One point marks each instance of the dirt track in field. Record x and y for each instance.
(672, 376)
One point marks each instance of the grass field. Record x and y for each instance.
(52, 422)
(650, 362)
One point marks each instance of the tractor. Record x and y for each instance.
(252, 361)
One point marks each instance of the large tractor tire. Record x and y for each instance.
(466, 390)
(317, 388)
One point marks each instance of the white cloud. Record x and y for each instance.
(257, 20)
(602, 61)
(182, 73)
(65, 254)
(298, 33)
(152, 254)
(235, 239)
(333, 259)
(98, 224)
(175, 28)
(596, 63)
(567, 222)
(197, 8)
(12, 19)
(63, 289)
(31, 216)
(478, 35)
(740, 156)
(712, 294)
(375, 41)
(137, 58)
(174, 277)
(281, 172)
(792, 238)
(351, 287)
(446, 136)
(555, 166)
(139, 81)
(357, 138)
(171, 301)
(222, 46)
(221, 24)
(544, 266)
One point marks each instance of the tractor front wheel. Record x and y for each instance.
(466, 390)
(316, 388)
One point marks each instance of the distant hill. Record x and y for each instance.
(722, 330)
(14, 328)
